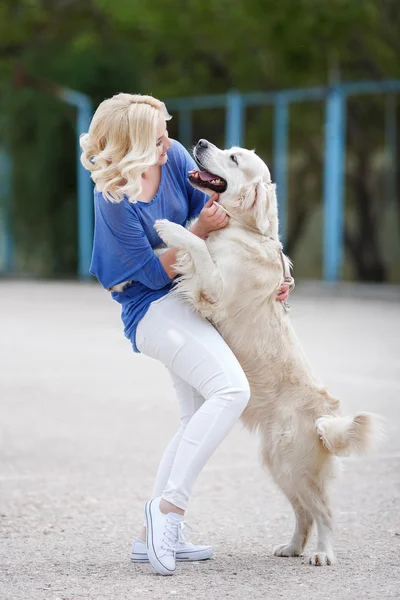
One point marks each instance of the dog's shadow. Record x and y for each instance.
(257, 563)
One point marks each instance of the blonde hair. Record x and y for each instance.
(120, 144)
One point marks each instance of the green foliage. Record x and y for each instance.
(172, 48)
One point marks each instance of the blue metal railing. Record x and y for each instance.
(84, 108)
(235, 104)
(5, 208)
(335, 145)
(334, 170)
(83, 105)
(281, 124)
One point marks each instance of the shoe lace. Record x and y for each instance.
(173, 534)
(183, 526)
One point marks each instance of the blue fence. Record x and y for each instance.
(6, 198)
(335, 98)
(235, 104)
(84, 111)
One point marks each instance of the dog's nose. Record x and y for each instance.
(202, 144)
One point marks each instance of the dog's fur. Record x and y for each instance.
(232, 279)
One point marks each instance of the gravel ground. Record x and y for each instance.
(84, 422)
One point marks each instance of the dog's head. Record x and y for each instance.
(242, 180)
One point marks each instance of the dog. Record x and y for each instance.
(232, 279)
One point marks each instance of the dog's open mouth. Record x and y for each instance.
(208, 180)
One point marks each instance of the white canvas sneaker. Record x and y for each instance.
(185, 551)
(162, 537)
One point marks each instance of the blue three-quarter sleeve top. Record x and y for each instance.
(124, 238)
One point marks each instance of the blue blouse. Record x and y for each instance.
(124, 238)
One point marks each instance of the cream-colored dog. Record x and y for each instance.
(232, 279)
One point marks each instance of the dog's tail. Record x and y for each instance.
(344, 435)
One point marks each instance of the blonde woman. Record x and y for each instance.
(140, 176)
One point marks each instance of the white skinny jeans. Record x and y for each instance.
(210, 384)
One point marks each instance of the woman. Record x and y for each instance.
(141, 176)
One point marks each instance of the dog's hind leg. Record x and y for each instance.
(304, 522)
(317, 502)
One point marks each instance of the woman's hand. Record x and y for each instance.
(211, 218)
(283, 293)
(287, 286)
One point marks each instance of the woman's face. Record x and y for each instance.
(163, 143)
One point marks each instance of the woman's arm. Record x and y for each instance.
(211, 218)
(122, 251)
(168, 259)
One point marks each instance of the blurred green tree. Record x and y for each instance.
(173, 48)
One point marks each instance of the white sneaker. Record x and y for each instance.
(162, 537)
(185, 551)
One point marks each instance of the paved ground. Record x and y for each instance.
(84, 421)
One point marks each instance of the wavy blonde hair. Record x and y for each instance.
(121, 144)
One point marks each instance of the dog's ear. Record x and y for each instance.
(255, 198)
(272, 208)
(251, 194)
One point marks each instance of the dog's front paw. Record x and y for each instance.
(322, 559)
(287, 550)
(172, 234)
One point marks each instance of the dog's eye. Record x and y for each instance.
(235, 160)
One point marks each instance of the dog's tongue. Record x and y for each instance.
(204, 175)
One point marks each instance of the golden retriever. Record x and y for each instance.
(232, 279)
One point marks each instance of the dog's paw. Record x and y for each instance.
(172, 234)
(322, 559)
(287, 550)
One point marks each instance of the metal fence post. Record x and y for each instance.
(391, 144)
(83, 105)
(334, 172)
(280, 159)
(185, 127)
(234, 119)
(5, 193)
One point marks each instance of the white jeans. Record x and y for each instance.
(210, 384)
